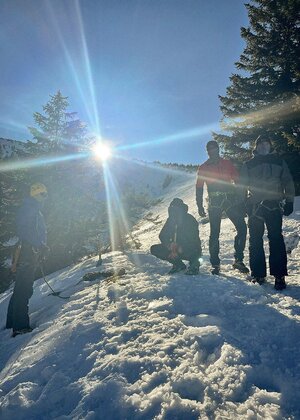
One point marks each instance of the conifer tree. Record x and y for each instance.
(264, 96)
(57, 127)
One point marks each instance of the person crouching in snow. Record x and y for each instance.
(179, 239)
(31, 230)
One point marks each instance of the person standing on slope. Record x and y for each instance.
(267, 181)
(31, 230)
(220, 177)
(179, 239)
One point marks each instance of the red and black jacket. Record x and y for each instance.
(219, 175)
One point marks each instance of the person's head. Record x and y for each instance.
(38, 191)
(263, 145)
(177, 210)
(213, 149)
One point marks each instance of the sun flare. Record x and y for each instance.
(102, 151)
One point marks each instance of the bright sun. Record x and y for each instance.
(102, 151)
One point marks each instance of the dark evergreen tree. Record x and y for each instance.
(72, 212)
(57, 128)
(264, 96)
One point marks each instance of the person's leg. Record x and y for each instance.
(23, 289)
(237, 218)
(22, 293)
(9, 316)
(278, 257)
(193, 259)
(160, 251)
(256, 247)
(214, 214)
(163, 253)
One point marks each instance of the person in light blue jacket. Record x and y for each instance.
(31, 230)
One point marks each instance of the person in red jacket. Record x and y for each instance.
(220, 177)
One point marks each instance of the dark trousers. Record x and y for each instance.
(237, 218)
(272, 218)
(17, 313)
(163, 253)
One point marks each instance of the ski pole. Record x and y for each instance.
(54, 293)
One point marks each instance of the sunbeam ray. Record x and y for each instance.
(88, 67)
(92, 114)
(188, 134)
(14, 125)
(43, 160)
(157, 167)
(118, 223)
(70, 62)
(280, 110)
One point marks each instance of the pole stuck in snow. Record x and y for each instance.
(54, 293)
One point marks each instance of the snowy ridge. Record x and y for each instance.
(155, 346)
(10, 148)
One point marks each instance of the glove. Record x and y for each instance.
(288, 208)
(175, 250)
(201, 212)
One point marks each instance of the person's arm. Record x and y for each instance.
(199, 192)
(16, 257)
(195, 239)
(243, 188)
(165, 234)
(288, 189)
(193, 234)
(241, 184)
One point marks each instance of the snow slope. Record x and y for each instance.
(157, 346)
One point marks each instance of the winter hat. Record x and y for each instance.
(177, 202)
(37, 188)
(262, 139)
(212, 144)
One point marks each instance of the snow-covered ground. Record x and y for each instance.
(158, 346)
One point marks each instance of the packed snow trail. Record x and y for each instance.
(157, 346)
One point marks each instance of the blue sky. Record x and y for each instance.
(137, 71)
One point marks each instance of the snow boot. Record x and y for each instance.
(259, 280)
(280, 283)
(177, 267)
(22, 331)
(192, 270)
(239, 265)
(215, 269)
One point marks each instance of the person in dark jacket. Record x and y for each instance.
(179, 239)
(221, 178)
(268, 184)
(31, 230)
